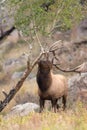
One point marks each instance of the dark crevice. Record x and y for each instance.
(4, 34)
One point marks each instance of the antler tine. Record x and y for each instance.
(56, 48)
(52, 49)
(55, 56)
(53, 46)
(54, 63)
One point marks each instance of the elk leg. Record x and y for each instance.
(41, 101)
(64, 101)
(54, 105)
(57, 106)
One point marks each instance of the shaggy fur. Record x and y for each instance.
(50, 86)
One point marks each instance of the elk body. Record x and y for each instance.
(50, 86)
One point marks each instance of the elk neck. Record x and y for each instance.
(44, 81)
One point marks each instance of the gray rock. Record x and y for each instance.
(16, 75)
(23, 109)
(9, 62)
(77, 84)
(6, 16)
(14, 64)
(79, 32)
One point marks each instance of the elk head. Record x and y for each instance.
(44, 66)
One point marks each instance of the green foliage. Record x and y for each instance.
(70, 13)
(31, 17)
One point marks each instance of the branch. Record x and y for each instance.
(13, 92)
(42, 49)
(5, 94)
(55, 20)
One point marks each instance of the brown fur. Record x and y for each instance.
(51, 87)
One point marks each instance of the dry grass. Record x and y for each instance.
(69, 120)
(17, 51)
(75, 119)
(28, 92)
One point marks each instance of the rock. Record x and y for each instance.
(9, 62)
(6, 16)
(58, 35)
(77, 87)
(5, 47)
(14, 64)
(79, 32)
(16, 75)
(13, 37)
(23, 109)
(71, 55)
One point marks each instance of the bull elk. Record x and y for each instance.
(50, 86)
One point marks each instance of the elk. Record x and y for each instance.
(50, 86)
(47, 65)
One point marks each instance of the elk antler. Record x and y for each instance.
(79, 69)
(12, 93)
(52, 49)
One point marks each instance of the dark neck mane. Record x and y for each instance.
(44, 81)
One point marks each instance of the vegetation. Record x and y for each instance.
(38, 16)
(32, 15)
(69, 120)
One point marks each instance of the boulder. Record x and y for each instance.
(23, 109)
(77, 88)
